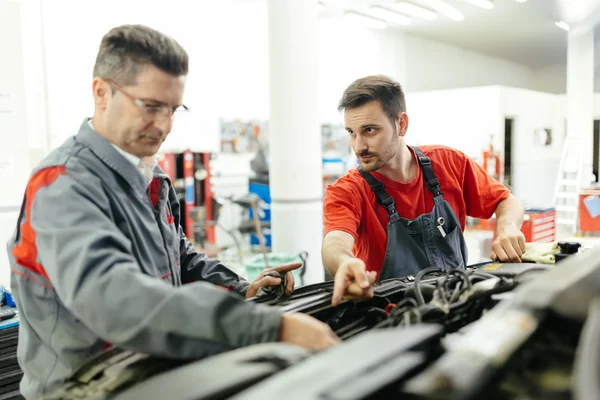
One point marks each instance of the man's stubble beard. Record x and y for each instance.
(390, 153)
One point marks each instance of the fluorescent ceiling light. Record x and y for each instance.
(562, 25)
(487, 4)
(520, 1)
(444, 8)
(415, 11)
(364, 20)
(388, 15)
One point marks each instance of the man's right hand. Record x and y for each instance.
(306, 331)
(352, 282)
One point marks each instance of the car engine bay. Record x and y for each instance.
(452, 298)
(496, 331)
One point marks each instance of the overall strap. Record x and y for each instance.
(432, 182)
(382, 196)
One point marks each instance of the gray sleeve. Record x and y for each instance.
(197, 267)
(91, 267)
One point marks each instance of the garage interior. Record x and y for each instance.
(510, 83)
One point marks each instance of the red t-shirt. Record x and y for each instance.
(350, 204)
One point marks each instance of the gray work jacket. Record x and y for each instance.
(93, 261)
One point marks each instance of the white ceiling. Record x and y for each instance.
(520, 32)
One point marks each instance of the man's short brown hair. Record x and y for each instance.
(379, 88)
(126, 49)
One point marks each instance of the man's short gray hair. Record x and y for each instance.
(126, 49)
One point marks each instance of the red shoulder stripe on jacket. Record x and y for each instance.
(25, 252)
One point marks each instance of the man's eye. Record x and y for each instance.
(370, 130)
(153, 109)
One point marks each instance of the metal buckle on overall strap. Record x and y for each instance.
(433, 184)
(425, 160)
(434, 187)
(389, 205)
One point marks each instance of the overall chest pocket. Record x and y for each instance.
(450, 248)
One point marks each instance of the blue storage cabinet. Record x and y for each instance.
(264, 192)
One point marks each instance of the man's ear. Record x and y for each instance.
(102, 93)
(402, 123)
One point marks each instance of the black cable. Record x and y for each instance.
(417, 283)
(402, 306)
(463, 274)
(444, 288)
(407, 300)
(392, 319)
(441, 286)
(450, 283)
(587, 357)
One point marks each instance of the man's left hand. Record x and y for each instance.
(509, 245)
(263, 280)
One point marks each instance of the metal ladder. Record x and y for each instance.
(568, 183)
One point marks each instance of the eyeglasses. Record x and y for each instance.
(150, 112)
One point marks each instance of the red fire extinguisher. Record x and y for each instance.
(491, 162)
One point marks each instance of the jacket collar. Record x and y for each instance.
(104, 150)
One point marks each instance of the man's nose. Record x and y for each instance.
(164, 124)
(360, 144)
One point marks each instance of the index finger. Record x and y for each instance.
(286, 268)
(340, 282)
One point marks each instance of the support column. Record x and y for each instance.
(296, 181)
(580, 95)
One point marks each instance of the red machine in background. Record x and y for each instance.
(190, 174)
(492, 163)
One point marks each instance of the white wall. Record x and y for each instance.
(597, 106)
(553, 79)
(534, 168)
(467, 119)
(431, 65)
(69, 67)
(348, 53)
(458, 118)
(14, 152)
(418, 64)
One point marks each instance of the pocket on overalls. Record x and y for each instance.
(451, 249)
